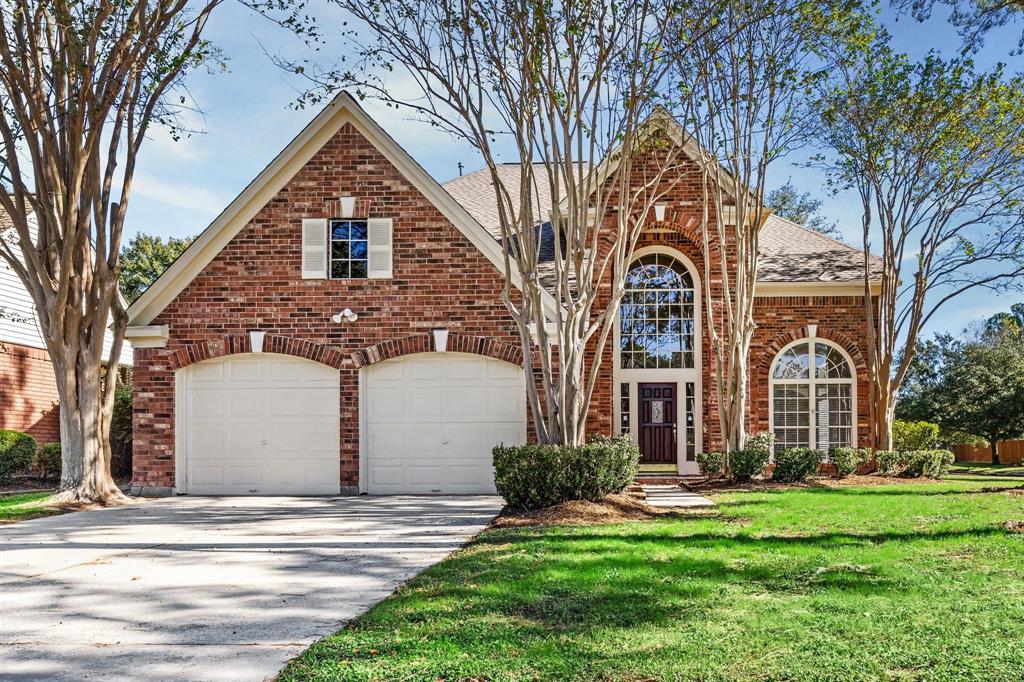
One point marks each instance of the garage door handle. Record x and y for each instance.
(263, 442)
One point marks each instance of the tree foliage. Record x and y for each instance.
(145, 258)
(972, 18)
(567, 85)
(970, 386)
(759, 57)
(934, 151)
(804, 209)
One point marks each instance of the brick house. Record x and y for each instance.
(28, 390)
(340, 328)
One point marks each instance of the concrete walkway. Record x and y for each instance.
(674, 496)
(208, 588)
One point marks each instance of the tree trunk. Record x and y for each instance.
(883, 415)
(995, 450)
(85, 436)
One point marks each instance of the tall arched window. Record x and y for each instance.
(813, 400)
(657, 314)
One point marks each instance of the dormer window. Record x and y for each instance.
(349, 250)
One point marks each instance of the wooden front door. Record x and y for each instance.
(657, 423)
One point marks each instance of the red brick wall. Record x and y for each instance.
(440, 280)
(840, 320)
(28, 393)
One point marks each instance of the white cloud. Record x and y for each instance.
(180, 195)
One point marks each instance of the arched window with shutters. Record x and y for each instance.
(813, 396)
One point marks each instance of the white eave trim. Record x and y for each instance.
(855, 288)
(153, 336)
(341, 110)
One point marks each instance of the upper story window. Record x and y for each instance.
(656, 317)
(813, 401)
(349, 251)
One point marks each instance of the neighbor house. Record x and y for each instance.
(340, 328)
(28, 389)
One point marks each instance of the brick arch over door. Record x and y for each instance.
(272, 343)
(424, 343)
(842, 340)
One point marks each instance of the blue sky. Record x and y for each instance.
(248, 117)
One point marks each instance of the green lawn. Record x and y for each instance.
(11, 508)
(987, 469)
(919, 581)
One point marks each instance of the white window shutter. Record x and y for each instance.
(314, 248)
(379, 247)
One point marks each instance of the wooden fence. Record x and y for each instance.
(1010, 452)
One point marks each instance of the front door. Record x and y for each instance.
(657, 423)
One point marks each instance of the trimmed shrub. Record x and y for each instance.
(763, 441)
(849, 460)
(532, 476)
(908, 435)
(928, 463)
(48, 462)
(16, 452)
(746, 463)
(797, 464)
(711, 464)
(915, 463)
(891, 462)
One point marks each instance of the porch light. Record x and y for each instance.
(440, 340)
(659, 212)
(348, 206)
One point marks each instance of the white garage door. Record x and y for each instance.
(258, 424)
(431, 420)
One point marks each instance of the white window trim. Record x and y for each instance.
(679, 376)
(811, 382)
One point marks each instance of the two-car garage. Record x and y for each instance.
(269, 424)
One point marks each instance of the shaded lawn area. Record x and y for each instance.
(987, 469)
(11, 509)
(918, 581)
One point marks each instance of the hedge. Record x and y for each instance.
(16, 452)
(532, 476)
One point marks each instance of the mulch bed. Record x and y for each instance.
(628, 506)
(721, 485)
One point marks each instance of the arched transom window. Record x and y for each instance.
(657, 314)
(812, 397)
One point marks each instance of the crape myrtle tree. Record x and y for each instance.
(81, 84)
(567, 84)
(743, 94)
(935, 152)
(972, 18)
(81, 81)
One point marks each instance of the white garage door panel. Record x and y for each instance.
(259, 424)
(432, 420)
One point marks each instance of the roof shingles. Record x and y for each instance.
(789, 252)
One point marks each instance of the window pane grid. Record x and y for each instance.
(657, 323)
(624, 407)
(691, 422)
(827, 423)
(349, 249)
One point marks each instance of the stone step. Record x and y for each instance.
(666, 495)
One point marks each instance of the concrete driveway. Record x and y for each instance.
(196, 588)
